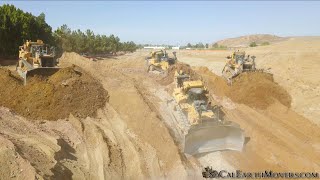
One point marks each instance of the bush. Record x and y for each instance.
(265, 43)
(253, 44)
(218, 47)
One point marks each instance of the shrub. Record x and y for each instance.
(253, 44)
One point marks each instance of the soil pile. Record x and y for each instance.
(258, 90)
(255, 89)
(169, 78)
(70, 90)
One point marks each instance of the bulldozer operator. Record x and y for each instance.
(236, 61)
(181, 77)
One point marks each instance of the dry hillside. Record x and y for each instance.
(244, 41)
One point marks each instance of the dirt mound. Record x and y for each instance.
(70, 90)
(258, 90)
(255, 89)
(169, 78)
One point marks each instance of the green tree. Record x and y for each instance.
(114, 43)
(17, 26)
(199, 45)
(215, 45)
(63, 38)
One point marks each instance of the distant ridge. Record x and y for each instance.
(244, 41)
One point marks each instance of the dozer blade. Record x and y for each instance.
(213, 136)
(156, 69)
(43, 71)
(228, 74)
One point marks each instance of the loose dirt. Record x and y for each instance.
(179, 66)
(129, 140)
(69, 91)
(258, 90)
(255, 89)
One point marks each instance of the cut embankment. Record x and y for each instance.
(69, 91)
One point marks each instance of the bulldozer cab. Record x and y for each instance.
(159, 61)
(43, 50)
(158, 55)
(180, 77)
(197, 97)
(36, 58)
(37, 54)
(196, 94)
(238, 57)
(239, 62)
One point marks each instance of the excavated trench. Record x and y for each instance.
(115, 147)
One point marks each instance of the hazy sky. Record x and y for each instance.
(180, 22)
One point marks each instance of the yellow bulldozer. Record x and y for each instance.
(208, 131)
(160, 61)
(237, 63)
(36, 58)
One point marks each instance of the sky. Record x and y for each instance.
(180, 22)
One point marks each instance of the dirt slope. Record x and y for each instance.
(280, 140)
(295, 64)
(255, 89)
(126, 139)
